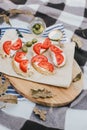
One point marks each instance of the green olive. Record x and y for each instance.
(37, 29)
(37, 26)
(34, 40)
(24, 48)
(29, 44)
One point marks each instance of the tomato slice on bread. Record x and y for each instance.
(7, 47)
(46, 44)
(19, 56)
(46, 65)
(55, 49)
(59, 58)
(38, 58)
(37, 48)
(17, 44)
(24, 65)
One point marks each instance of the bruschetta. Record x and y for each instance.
(40, 48)
(58, 56)
(9, 47)
(42, 65)
(21, 64)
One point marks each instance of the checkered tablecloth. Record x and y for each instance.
(72, 14)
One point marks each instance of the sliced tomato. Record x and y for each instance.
(24, 65)
(59, 58)
(7, 47)
(39, 58)
(55, 49)
(37, 48)
(46, 44)
(46, 65)
(19, 56)
(17, 44)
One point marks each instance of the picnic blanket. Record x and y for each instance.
(73, 15)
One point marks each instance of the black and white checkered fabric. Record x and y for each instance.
(72, 14)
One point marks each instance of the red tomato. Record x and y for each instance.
(37, 48)
(17, 44)
(46, 65)
(59, 58)
(19, 56)
(46, 44)
(39, 58)
(55, 49)
(24, 65)
(7, 47)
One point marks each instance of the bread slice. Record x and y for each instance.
(55, 35)
(42, 70)
(17, 69)
(9, 35)
(3, 54)
(39, 51)
(53, 55)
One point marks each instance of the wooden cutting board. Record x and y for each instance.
(61, 96)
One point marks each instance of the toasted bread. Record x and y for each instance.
(55, 35)
(42, 70)
(9, 35)
(54, 60)
(17, 69)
